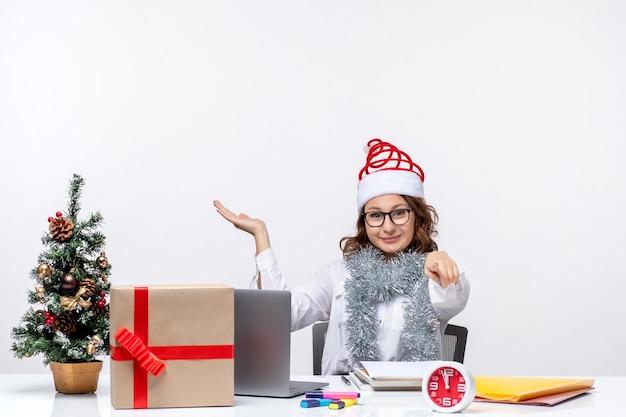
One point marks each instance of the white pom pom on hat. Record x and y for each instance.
(388, 170)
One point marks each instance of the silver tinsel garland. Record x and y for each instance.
(374, 280)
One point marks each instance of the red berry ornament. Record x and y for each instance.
(49, 318)
(59, 214)
(101, 302)
(49, 219)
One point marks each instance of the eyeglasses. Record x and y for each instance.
(397, 217)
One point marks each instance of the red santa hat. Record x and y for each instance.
(388, 170)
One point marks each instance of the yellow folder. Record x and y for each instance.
(520, 388)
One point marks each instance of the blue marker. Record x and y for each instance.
(318, 402)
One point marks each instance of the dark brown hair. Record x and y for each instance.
(425, 218)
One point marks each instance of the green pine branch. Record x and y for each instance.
(75, 192)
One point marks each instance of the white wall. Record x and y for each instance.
(513, 108)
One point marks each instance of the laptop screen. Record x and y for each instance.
(262, 341)
(263, 345)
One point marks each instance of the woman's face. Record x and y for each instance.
(389, 237)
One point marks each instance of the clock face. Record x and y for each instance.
(449, 387)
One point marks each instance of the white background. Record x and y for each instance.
(515, 110)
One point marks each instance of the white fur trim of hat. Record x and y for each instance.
(388, 170)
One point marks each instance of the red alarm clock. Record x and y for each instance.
(448, 387)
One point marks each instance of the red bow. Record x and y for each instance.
(146, 359)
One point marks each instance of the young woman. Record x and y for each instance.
(393, 293)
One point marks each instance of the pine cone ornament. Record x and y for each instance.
(64, 324)
(61, 228)
(87, 287)
(100, 311)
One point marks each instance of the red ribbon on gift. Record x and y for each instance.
(150, 358)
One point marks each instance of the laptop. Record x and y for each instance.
(263, 345)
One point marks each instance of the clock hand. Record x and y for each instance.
(446, 379)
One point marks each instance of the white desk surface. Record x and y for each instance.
(34, 395)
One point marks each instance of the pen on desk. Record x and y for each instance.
(346, 402)
(345, 380)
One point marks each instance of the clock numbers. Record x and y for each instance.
(449, 387)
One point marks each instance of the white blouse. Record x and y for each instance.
(322, 298)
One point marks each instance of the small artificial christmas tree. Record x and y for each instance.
(70, 322)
